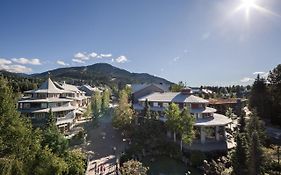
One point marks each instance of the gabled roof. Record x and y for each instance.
(138, 87)
(45, 100)
(68, 87)
(47, 87)
(91, 88)
(176, 97)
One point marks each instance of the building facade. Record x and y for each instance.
(140, 90)
(63, 100)
(210, 127)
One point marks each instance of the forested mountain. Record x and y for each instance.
(96, 74)
(20, 82)
(100, 73)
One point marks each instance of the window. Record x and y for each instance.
(51, 105)
(44, 105)
(26, 105)
(165, 105)
(155, 104)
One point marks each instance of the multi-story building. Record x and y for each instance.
(90, 91)
(61, 99)
(210, 127)
(140, 90)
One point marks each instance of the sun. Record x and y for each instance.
(247, 5)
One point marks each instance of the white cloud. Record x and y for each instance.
(15, 68)
(121, 59)
(106, 55)
(93, 55)
(81, 56)
(62, 63)
(205, 35)
(4, 61)
(246, 79)
(78, 61)
(34, 61)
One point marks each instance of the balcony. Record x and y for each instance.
(68, 118)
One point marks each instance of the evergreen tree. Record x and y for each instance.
(256, 125)
(18, 143)
(240, 156)
(242, 122)
(49, 163)
(256, 155)
(274, 79)
(24, 150)
(53, 138)
(259, 98)
(147, 112)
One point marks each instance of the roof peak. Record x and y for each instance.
(49, 86)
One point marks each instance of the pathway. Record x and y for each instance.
(103, 145)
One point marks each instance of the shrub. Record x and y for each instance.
(197, 158)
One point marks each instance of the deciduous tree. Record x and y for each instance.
(105, 100)
(96, 104)
(173, 116)
(133, 167)
(123, 114)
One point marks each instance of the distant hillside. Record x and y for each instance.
(100, 73)
(20, 82)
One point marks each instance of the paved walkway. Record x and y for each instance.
(103, 145)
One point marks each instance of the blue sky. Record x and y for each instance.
(200, 42)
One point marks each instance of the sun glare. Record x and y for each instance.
(248, 5)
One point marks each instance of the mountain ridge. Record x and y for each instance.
(99, 73)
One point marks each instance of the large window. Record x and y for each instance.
(44, 105)
(155, 104)
(41, 96)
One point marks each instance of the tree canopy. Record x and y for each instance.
(133, 167)
(25, 150)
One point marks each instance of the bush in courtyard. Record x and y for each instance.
(133, 167)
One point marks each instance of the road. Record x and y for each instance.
(103, 145)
